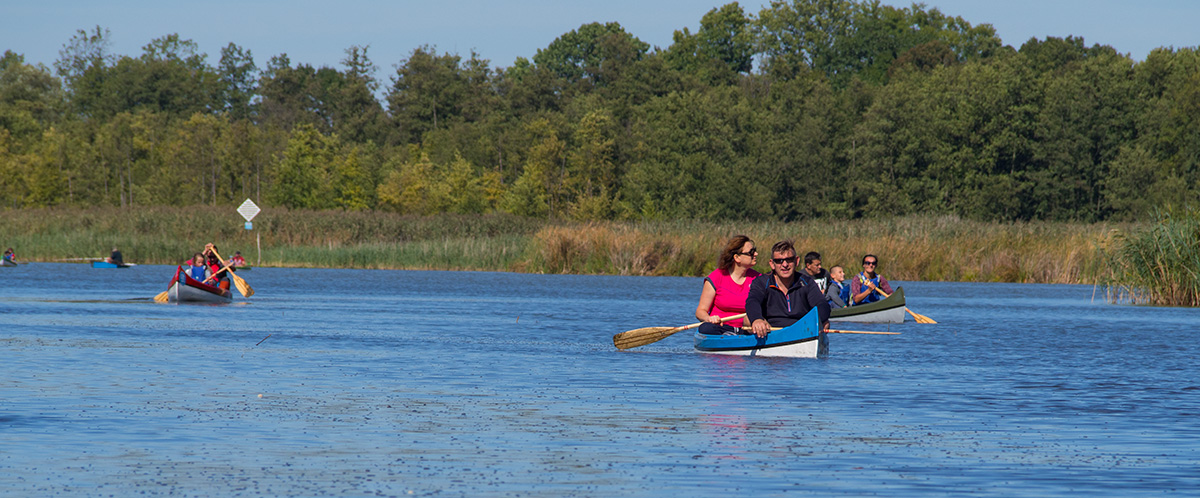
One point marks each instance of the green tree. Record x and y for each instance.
(594, 54)
(436, 92)
(358, 116)
(300, 178)
(540, 189)
(593, 172)
(722, 48)
(236, 72)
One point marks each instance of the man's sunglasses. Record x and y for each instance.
(780, 261)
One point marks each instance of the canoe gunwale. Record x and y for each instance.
(802, 339)
(889, 310)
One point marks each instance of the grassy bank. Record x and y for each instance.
(1157, 264)
(911, 248)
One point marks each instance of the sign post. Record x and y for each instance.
(249, 210)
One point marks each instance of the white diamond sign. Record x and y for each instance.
(248, 210)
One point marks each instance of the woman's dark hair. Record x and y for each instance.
(734, 246)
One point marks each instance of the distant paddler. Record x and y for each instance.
(115, 257)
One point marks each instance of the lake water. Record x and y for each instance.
(409, 383)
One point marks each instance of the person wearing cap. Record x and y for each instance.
(865, 286)
(783, 296)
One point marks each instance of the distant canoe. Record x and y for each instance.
(185, 289)
(106, 264)
(5, 262)
(802, 339)
(242, 268)
(890, 310)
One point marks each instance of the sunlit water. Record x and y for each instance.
(403, 383)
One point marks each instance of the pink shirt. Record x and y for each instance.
(731, 297)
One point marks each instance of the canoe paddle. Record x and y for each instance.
(916, 316)
(162, 296)
(241, 285)
(831, 331)
(647, 335)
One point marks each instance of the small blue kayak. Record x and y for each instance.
(106, 264)
(802, 339)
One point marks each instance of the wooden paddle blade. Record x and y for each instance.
(241, 285)
(919, 317)
(161, 297)
(643, 336)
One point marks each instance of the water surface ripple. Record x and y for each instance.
(402, 383)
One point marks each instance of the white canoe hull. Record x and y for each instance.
(185, 289)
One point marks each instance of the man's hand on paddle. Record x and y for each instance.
(760, 327)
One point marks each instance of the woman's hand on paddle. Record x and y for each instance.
(760, 327)
(713, 319)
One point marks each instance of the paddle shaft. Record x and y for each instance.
(214, 275)
(831, 331)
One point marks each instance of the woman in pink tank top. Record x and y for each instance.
(725, 289)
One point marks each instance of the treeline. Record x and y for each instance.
(807, 109)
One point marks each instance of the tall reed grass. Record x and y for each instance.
(1159, 264)
(910, 248)
(167, 235)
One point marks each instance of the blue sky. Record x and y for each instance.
(319, 32)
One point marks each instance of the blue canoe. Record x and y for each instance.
(802, 339)
(106, 264)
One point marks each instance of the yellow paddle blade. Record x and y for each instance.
(919, 317)
(642, 336)
(242, 286)
(161, 297)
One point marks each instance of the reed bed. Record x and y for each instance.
(943, 248)
(1157, 265)
(166, 235)
(911, 248)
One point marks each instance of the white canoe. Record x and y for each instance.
(185, 289)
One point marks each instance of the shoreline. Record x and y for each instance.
(913, 248)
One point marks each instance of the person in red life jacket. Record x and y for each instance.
(783, 296)
(725, 289)
(865, 286)
(198, 268)
(237, 260)
(219, 276)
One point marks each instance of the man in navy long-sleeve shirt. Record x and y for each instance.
(783, 296)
